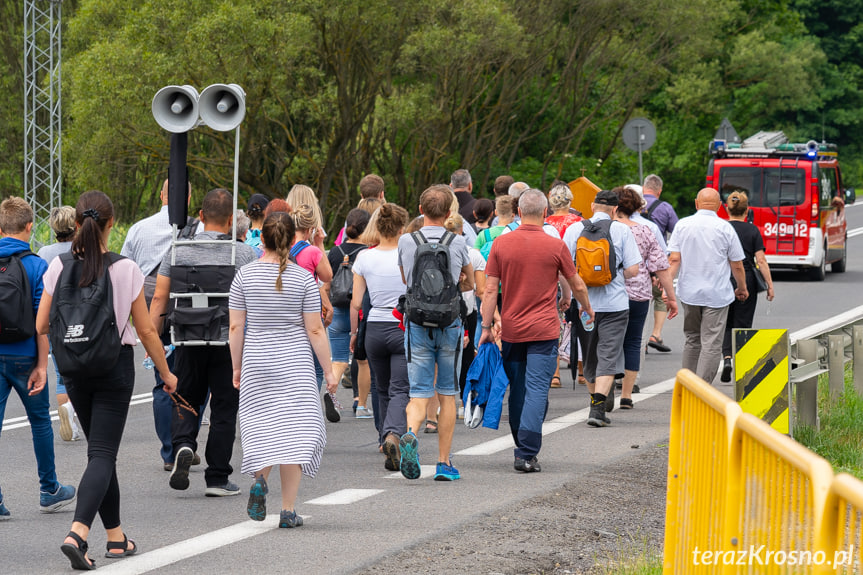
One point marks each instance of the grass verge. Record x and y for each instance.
(841, 434)
(634, 556)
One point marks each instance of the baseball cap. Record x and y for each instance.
(606, 198)
(259, 200)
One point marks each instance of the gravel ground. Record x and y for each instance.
(616, 510)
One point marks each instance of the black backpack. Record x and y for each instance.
(342, 286)
(84, 336)
(433, 298)
(17, 322)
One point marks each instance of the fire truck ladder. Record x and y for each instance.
(787, 197)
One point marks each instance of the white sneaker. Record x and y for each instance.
(67, 420)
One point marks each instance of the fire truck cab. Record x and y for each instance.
(795, 196)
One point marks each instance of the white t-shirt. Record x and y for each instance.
(478, 262)
(380, 269)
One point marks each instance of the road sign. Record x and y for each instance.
(639, 134)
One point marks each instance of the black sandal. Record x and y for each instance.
(625, 403)
(78, 555)
(124, 545)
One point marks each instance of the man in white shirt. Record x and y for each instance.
(707, 252)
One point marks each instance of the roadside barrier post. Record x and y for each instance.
(836, 363)
(858, 358)
(807, 390)
(762, 375)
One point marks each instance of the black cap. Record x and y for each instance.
(259, 200)
(606, 198)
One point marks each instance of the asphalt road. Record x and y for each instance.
(356, 513)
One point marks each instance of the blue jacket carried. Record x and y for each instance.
(485, 388)
(35, 268)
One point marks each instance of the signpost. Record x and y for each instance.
(639, 134)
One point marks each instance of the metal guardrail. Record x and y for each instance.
(745, 498)
(825, 347)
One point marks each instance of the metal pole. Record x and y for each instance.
(639, 140)
(836, 363)
(807, 391)
(858, 358)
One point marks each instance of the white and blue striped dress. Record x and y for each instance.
(280, 410)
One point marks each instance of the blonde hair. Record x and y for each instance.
(62, 221)
(738, 204)
(370, 204)
(304, 218)
(371, 236)
(454, 223)
(503, 205)
(300, 195)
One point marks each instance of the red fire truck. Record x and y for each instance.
(795, 195)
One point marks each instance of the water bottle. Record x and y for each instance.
(148, 361)
(585, 317)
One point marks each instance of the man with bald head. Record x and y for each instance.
(706, 252)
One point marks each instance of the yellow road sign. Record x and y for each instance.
(762, 375)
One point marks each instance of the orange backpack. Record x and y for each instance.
(595, 259)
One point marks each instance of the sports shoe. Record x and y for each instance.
(346, 380)
(446, 472)
(51, 502)
(66, 413)
(527, 465)
(410, 461)
(391, 450)
(227, 489)
(180, 474)
(609, 400)
(4, 513)
(330, 409)
(257, 506)
(726, 371)
(364, 413)
(289, 519)
(460, 412)
(597, 417)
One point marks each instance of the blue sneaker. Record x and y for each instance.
(289, 519)
(446, 472)
(4, 513)
(410, 460)
(257, 506)
(51, 502)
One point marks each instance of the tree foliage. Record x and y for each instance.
(413, 90)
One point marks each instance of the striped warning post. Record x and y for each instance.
(761, 373)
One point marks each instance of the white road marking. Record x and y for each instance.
(426, 471)
(568, 420)
(146, 562)
(344, 497)
(855, 232)
(17, 422)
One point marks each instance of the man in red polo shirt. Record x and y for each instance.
(528, 263)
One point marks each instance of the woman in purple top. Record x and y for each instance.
(654, 263)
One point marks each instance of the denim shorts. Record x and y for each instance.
(430, 347)
(340, 334)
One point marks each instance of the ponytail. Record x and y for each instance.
(92, 213)
(277, 235)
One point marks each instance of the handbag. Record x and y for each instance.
(760, 282)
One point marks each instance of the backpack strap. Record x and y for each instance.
(487, 235)
(345, 256)
(419, 238)
(446, 239)
(23, 254)
(652, 207)
(510, 228)
(298, 247)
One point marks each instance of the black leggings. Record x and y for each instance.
(740, 313)
(385, 347)
(102, 404)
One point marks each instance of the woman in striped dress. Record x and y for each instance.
(275, 310)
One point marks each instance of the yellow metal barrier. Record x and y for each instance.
(843, 524)
(702, 423)
(744, 498)
(776, 494)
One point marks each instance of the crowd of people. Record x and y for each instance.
(255, 329)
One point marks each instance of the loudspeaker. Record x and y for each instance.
(222, 106)
(175, 108)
